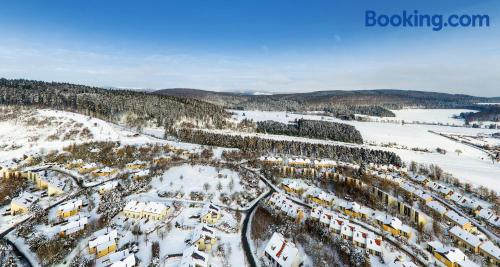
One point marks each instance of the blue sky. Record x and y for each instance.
(270, 46)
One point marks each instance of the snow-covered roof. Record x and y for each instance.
(109, 185)
(136, 162)
(70, 205)
(485, 213)
(390, 220)
(352, 206)
(202, 231)
(105, 245)
(465, 236)
(374, 244)
(295, 184)
(325, 162)
(408, 187)
(155, 208)
(142, 173)
(210, 208)
(495, 220)
(192, 257)
(102, 237)
(89, 166)
(104, 170)
(436, 206)
(467, 263)
(74, 226)
(456, 197)
(422, 194)
(285, 253)
(25, 200)
(491, 249)
(118, 259)
(135, 206)
(453, 216)
(454, 255)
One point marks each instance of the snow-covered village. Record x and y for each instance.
(81, 191)
(257, 133)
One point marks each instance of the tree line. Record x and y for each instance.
(111, 105)
(252, 144)
(313, 129)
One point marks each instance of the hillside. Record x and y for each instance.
(369, 102)
(137, 108)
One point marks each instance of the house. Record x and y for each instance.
(210, 214)
(374, 246)
(393, 225)
(451, 257)
(408, 188)
(76, 163)
(456, 197)
(137, 164)
(458, 220)
(298, 162)
(271, 160)
(134, 209)
(321, 197)
(162, 159)
(156, 211)
(55, 187)
(282, 253)
(107, 187)
(494, 220)
(69, 208)
(203, 236)
(437, 207)
(106, 171)
(336, 225)
(103, 243)
(422, 196)
(465, 239)
(353, 209)
(87, 168)
(490, 252)
(117, 259)
(295, 186)
(484, 214)
(192, 257)
(325, 163)
(22, 203)
(140, 174)
(73, 227)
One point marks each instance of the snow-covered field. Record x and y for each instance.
(444, 116)
(472, 165)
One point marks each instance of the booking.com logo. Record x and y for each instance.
(413, 19)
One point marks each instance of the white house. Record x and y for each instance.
(282, 253)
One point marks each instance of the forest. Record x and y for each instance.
(313, 129)
(288, 147)
(367, 102)
(111, 105)
(485, 113)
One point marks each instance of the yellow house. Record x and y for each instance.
(393, 225)
(22, 203)
(134, 209)
(210, 214)
(160, 160)
(41, 182)
(465, 239)
(295, 186)
(204, 238)
(103, 243)
(322, 198)
(451, 257)
(106, 171)
(156, 211)
(137, 164)
(69, 209)
(458, 220)
(74, 164)
(411, 213)
(353, 209)
(55, 188)
(87, 168)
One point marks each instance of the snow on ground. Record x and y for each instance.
(22, 136)
(472, 165)
(444, 116)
